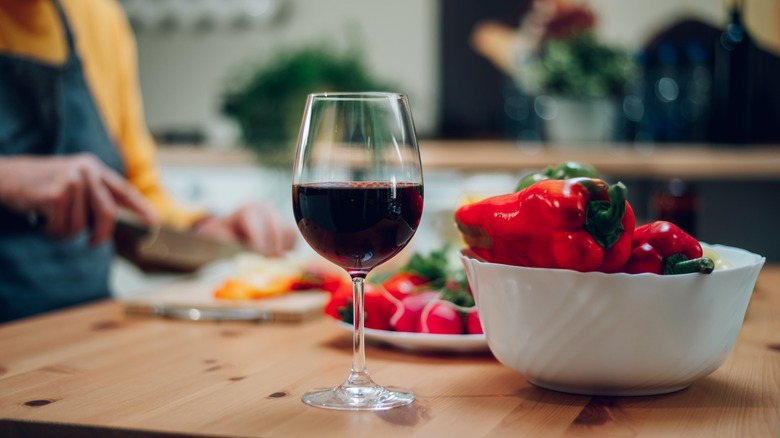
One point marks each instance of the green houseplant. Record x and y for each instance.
(269, 102)
(583, 80)
(581, 66)
(556, 57)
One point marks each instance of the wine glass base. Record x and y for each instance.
(359, 398)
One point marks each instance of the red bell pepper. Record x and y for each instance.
(564, 170)
(663, 248)
(582, 224)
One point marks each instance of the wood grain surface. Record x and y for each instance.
(96, 371)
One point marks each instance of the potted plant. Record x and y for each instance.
(555, 56)
(269, 102)
(581, 80)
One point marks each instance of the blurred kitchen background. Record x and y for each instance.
(224, 83)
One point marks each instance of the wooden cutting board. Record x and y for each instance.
(194, 300)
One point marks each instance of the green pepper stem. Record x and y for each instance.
(605, 218)
(679, 264)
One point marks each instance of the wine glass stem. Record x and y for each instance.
(359, 374)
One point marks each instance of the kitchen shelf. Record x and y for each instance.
(688, 161)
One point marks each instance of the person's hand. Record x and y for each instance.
(256, 225)
(493, 40)
(70, 193)
(502, 44)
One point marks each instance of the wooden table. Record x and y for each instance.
(95, 371)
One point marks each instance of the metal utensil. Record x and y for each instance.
(166, 248)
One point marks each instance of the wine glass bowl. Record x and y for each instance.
(365, 228)
(357, 199)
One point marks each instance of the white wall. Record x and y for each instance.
(183, 73)
(632, 22)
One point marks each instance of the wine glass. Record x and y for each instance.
(357, 199)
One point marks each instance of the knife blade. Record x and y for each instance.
(167, 248)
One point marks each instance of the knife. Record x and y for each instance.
(195, 313)
(166, 248)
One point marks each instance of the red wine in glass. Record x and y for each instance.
(358, 225)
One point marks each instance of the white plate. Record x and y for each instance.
(425, 341)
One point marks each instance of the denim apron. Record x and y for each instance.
(48, 110)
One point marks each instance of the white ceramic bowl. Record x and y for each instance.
(612, 334)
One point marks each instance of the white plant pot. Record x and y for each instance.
(570, 122)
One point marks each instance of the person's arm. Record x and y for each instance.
(256, 224)
(515, 51)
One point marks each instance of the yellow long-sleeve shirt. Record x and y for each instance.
(106, 46)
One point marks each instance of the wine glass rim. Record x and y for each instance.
(356, 95)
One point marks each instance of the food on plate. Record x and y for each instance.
(663, 248)
(233, 289)
(403, 283)
(441, 316)
(473, 325)
(379, 306)
(408, 315)
(426, 295)
(564, 170)
(583, 224)
(258, 277)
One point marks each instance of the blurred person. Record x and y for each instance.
(74, 148)
(514, 50)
